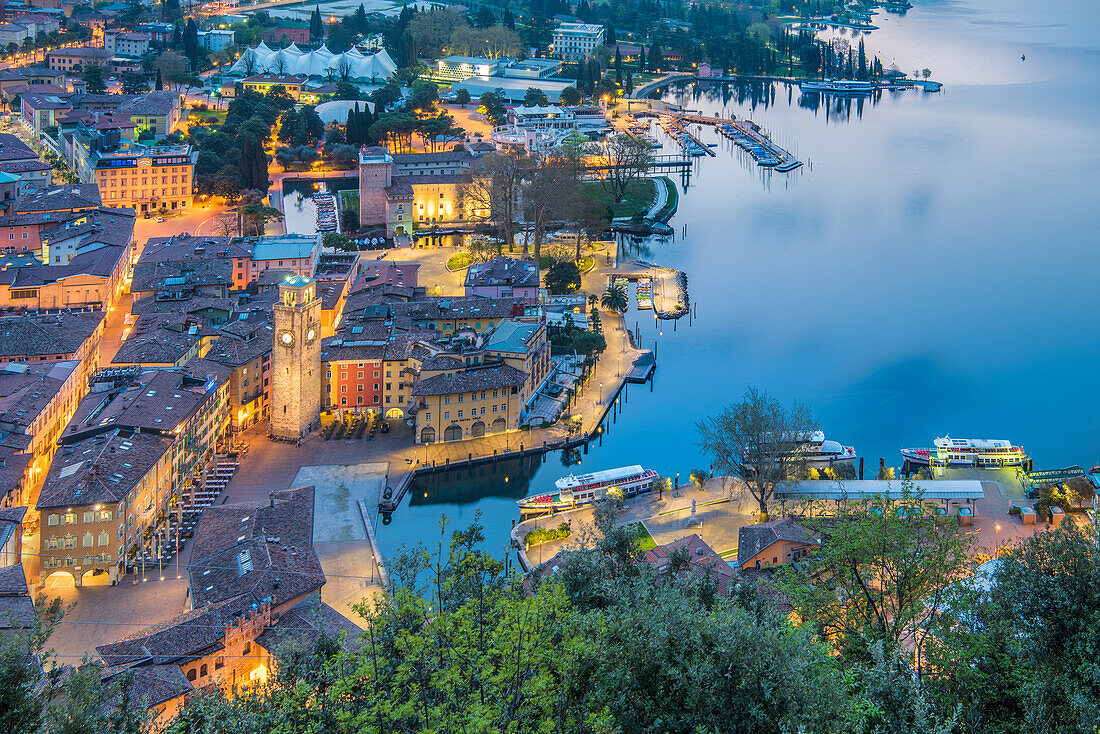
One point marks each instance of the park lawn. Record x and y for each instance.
(639, 197)
(644, 540)
(349, 200)
(586, 263)
(458, 261)
(218, 116)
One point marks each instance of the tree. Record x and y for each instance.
(759, 442)
(337, 241)
(535, 97)
(160, 81)
(255, 217)
(625, 159)
(134, 83)
(493, 196)
(879, 574)
(494, 107)
(462, 96)
(563, 277)
(429, 32)
(192, 49)
(545, 190)
(93, 79)
(655, 58)
(571, 96)
(424, 96)
(1015, 652)
(615, 299)
(493, 42)
(589, 343)
(316, 25)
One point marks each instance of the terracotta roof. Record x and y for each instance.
(180, 638)
(264, 552)
(753, 539)
(506, 271)
(305, 622)
(702, 561)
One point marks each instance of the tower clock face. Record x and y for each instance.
(309, 335)
(286, 338)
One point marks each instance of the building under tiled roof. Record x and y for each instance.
(482, 377)
(151, 103)
(752, 539)
(102, 468)
(264, 552)
(49, 334)
(67, 197)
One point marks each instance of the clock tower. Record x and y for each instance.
(296, 360)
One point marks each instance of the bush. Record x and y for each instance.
(1014, 510)
(458, 261)
(545, 535)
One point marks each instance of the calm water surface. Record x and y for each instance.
(932, 269)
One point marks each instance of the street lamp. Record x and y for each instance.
(997, 540)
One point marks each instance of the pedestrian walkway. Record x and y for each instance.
(660, 189)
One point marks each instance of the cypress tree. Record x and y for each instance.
(160, 81)
(655, 59)
(641, 58)
(352, 132)
(316, 25)
(618, 67)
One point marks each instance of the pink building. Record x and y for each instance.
(504, 277)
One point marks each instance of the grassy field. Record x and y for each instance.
(458, 261)
(217, 116)
(349, 200)
(639, 197)
(644, 540)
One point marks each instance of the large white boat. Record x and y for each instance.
(820, 451)
(577, 490)
(814, 449)
(984, 453)
(839, 86)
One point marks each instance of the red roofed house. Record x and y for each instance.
(701, 560)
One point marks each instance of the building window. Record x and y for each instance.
(447, 415)
(70, 518)
(89, 516)
(51, 520)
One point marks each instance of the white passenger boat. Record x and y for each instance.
(983, 453)
(584, 489)
(820, 451)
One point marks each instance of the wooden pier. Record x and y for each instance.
(732, 128)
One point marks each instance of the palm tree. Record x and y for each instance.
(614, 299)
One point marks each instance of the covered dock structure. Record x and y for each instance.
(948, 494)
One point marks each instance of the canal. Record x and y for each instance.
(930, 270)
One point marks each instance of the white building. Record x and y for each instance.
(216, 40)
(574, 41)
(458, 68)
(126, 43)
(13, 33)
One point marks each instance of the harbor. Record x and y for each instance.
(741, 131)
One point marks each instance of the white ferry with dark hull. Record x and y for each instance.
(982, 453)
(584, 489)
(819, 451)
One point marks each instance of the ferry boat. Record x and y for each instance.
(584, 489)
(839, 86)
(818, 451)
(983, 453)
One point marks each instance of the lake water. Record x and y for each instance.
(932, 269)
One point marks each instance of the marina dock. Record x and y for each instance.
(643, 367)
(746, 134)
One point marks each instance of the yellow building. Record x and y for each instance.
(131, 459)
(468, 402)
(263, 83)
(146, 179)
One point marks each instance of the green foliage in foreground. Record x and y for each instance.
(545, 535)
(602, 646)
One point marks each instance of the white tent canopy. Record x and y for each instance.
(320, 63)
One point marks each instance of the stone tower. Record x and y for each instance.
(375, 176)
(296, 360)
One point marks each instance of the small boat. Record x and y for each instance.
(585, 489)
(815, 450)
(839, 86)
(982, 453)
